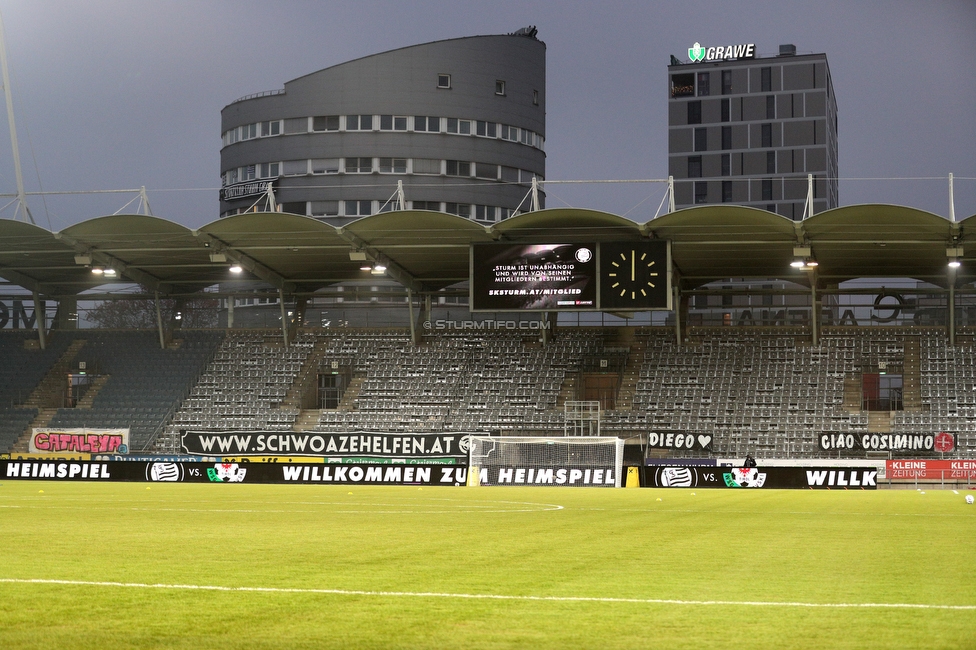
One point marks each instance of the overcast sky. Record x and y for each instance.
(116, 94)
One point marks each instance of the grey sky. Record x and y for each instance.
(119, 94)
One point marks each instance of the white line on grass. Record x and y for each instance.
(413, 594)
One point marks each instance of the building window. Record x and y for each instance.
(703, 79)
(726, 137)
(295, 167)
(701, 192)
(694, 112)
(359, 165)
(247, 173)
(509, 133)
(726, 164)
(358, 208)
(726, 82)
(485, 213)
(323, 165)
(500, 87)
(443, 81)
(770, 162)
(393, 123)
(771, 207)
(458, 168)
(462, 127)
(726, 191)
(269, 170)
(393, 165)
(726, 110)
(359, 122)
(426, 166)
(487, 129)
(422, 123)
(682, 85)
(701, 139)
(486, 171)
(295, 207)
(325, 123)
(427, 205)
(535, 97)
(766, 76)
(694, 166)
(767, 189)
(324, 208)
(770, 107)
(271, 128)
(460, 209)
(767, 135)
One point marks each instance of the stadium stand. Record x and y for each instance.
(145, 383)
(23, 367)
(765, 391)
(244, 385)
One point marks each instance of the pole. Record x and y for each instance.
(21, 195)
(413, 326)
(159, 324)
(284, 321)
(40, 319)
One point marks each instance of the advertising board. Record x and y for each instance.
(932, 470)
(363, 446)
(814, 478)
(219, 472)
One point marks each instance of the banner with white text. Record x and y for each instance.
(364, 446)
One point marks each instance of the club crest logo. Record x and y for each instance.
(166, 472)
(226, 473)
(676, 477)
(748, 477)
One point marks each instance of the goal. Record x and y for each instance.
(563, 461)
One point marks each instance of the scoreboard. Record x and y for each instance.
(588, 276)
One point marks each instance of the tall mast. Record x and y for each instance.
(22, 211)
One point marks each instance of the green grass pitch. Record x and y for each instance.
(629, 568)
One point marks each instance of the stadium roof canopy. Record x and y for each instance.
(427, 251)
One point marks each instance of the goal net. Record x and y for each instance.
(563, 461)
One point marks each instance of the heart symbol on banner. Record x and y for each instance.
(704, 440)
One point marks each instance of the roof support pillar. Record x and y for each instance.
(284, 322)
(952, 307)
(159, 322)
(678, 336)
(40, 319)
(952, 201)
(413, 326)
(814, 311)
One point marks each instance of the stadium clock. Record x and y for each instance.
(634, 275)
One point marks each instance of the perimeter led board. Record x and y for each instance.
(533, 277)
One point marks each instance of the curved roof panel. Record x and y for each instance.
(428, 250)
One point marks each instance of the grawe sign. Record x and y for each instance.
(697, 53)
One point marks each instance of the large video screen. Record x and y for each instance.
(533, 277)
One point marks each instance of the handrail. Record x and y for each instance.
(263, 93)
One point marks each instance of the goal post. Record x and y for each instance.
(572, 461)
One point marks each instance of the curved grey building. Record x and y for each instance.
(460, 122)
